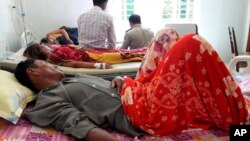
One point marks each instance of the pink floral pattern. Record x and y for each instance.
(64, 53)
(162, 42)
(25, 131)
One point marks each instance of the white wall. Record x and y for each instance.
(216, 16)
(247, 26)
(43, 16)
(9, 31)
(47, 15)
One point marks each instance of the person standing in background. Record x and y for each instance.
(137, 36)
(95, 27)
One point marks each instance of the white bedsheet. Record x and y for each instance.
(12, 61)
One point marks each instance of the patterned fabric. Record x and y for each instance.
(114, 56)
(94, 28)
(66, 53)
(163, 40)
(182, 84)
(25, 131)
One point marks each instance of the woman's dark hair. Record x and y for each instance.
(21, 74)
(135, 19)
(99, 2)
(35, 51)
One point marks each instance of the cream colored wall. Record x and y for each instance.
(247, 27)
(216, 16)
(9, 28)
(48, 15)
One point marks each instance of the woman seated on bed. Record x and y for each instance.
(82, 58)
(177, 87)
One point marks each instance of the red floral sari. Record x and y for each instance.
(182, 83)
(66, 53)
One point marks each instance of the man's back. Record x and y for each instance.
(95, 29)
(137, 37)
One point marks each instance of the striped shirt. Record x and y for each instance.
(96, 29)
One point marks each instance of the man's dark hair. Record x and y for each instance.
(135, 19)
(99, 2)
(64, 27)
(44, 40)
(21, 74)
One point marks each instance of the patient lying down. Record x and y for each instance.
(82, 58)
(176, 88)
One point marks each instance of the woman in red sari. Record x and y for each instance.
(182, 83)
(81, 58)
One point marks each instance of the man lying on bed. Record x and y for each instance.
(177, 87)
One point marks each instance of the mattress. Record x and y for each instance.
(129, 68)
(25, 131)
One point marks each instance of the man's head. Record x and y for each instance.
(134, 19)
(22, 76)
(49, 40)
(100, 3)
(44, 40)
(37, 74)
(64, 27)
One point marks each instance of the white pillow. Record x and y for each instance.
(13, 97)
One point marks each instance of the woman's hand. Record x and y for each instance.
(117, 82)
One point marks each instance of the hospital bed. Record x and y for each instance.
(242, 74)
(24, 130)
(183, 28)
(28, 37)
(122, 69)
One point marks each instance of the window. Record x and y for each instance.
(154, 13)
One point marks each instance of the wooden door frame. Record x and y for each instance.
(248, 40)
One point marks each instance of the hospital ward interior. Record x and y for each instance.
(124, 70)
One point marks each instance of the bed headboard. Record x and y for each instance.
(183, 28)
(235, 60)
